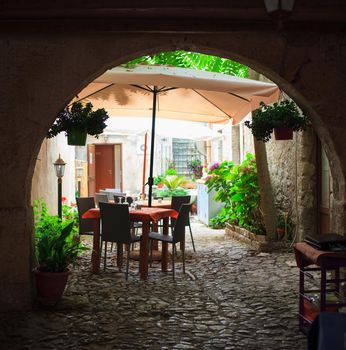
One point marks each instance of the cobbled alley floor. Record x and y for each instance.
(230, 298)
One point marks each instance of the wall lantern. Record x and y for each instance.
(279, 9)
(59, 167)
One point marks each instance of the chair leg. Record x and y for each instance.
(173, 267)
(193, 243)
(127, 262)
(183, 254)
(151, 253)
(105, 257)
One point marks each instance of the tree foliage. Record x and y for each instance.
(194, 60)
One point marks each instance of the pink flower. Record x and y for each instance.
(214, 166)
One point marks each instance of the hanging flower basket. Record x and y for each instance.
(283, 133)
(77, 121)
(278, 117)
(76, 137)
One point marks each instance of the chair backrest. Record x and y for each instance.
(177, 202)
(118, 199)
(180, 223)
(115, 223)
(101, 197)
(110, 192)
(86, 226)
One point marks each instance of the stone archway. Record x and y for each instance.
(41, 74)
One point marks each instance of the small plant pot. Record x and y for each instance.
(283, 133)
(280, 233)
(76, 137)
(50, 286)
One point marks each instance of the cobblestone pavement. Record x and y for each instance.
(231, 298)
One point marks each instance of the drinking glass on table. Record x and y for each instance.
(129, 200)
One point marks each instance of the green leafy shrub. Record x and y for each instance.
(171, 172)
(56, 244)
(158, 179)
(173, 182)
(172, 186)
(171, 193)
(70, 213)
(281, 114)
(237, 187)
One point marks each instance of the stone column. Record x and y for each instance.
(306, 184)
(235, 144)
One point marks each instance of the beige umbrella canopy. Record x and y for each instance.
(176, 93)
(186, 94)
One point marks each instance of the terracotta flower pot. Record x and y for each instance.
(76, 137)
(283, 133)
(50, 286)
(281, 233)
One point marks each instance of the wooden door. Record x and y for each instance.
(91, 170)
(324, 191)
(104, 173)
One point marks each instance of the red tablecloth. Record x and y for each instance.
(144, 214)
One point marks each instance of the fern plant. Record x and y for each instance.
(56, 245)
(174, 182)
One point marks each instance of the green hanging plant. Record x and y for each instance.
(281, 114)
(80, 120)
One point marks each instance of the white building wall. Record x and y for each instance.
(44, 181)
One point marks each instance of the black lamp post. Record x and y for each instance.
(79, 173)
(59, 167)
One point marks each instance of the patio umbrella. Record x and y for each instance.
(176, 93)
(164, 128)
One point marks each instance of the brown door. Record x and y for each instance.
(91, 170)
(104, 162)
(323, 191)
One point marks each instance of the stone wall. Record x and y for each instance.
(282, 164)
(47, 62)
(44, 181)
(292, 168)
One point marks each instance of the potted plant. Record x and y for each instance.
(56, 247)
(284, 226)
(196, 167)
(173, 187)
(77, 121)
(283, 117)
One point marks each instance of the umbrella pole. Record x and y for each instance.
(153, 121)
(144, 165)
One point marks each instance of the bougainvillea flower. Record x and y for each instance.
(214, 166)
